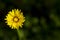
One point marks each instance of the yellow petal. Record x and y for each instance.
(13, 23)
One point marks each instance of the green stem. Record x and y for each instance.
(20, 34)
(18, 31)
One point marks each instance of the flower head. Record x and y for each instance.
(15, 19)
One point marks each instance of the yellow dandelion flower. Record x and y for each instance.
(15, 19)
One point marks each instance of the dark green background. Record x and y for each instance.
(42, 19)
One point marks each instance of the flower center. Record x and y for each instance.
(15, 19)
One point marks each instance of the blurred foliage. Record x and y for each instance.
(42, 19)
